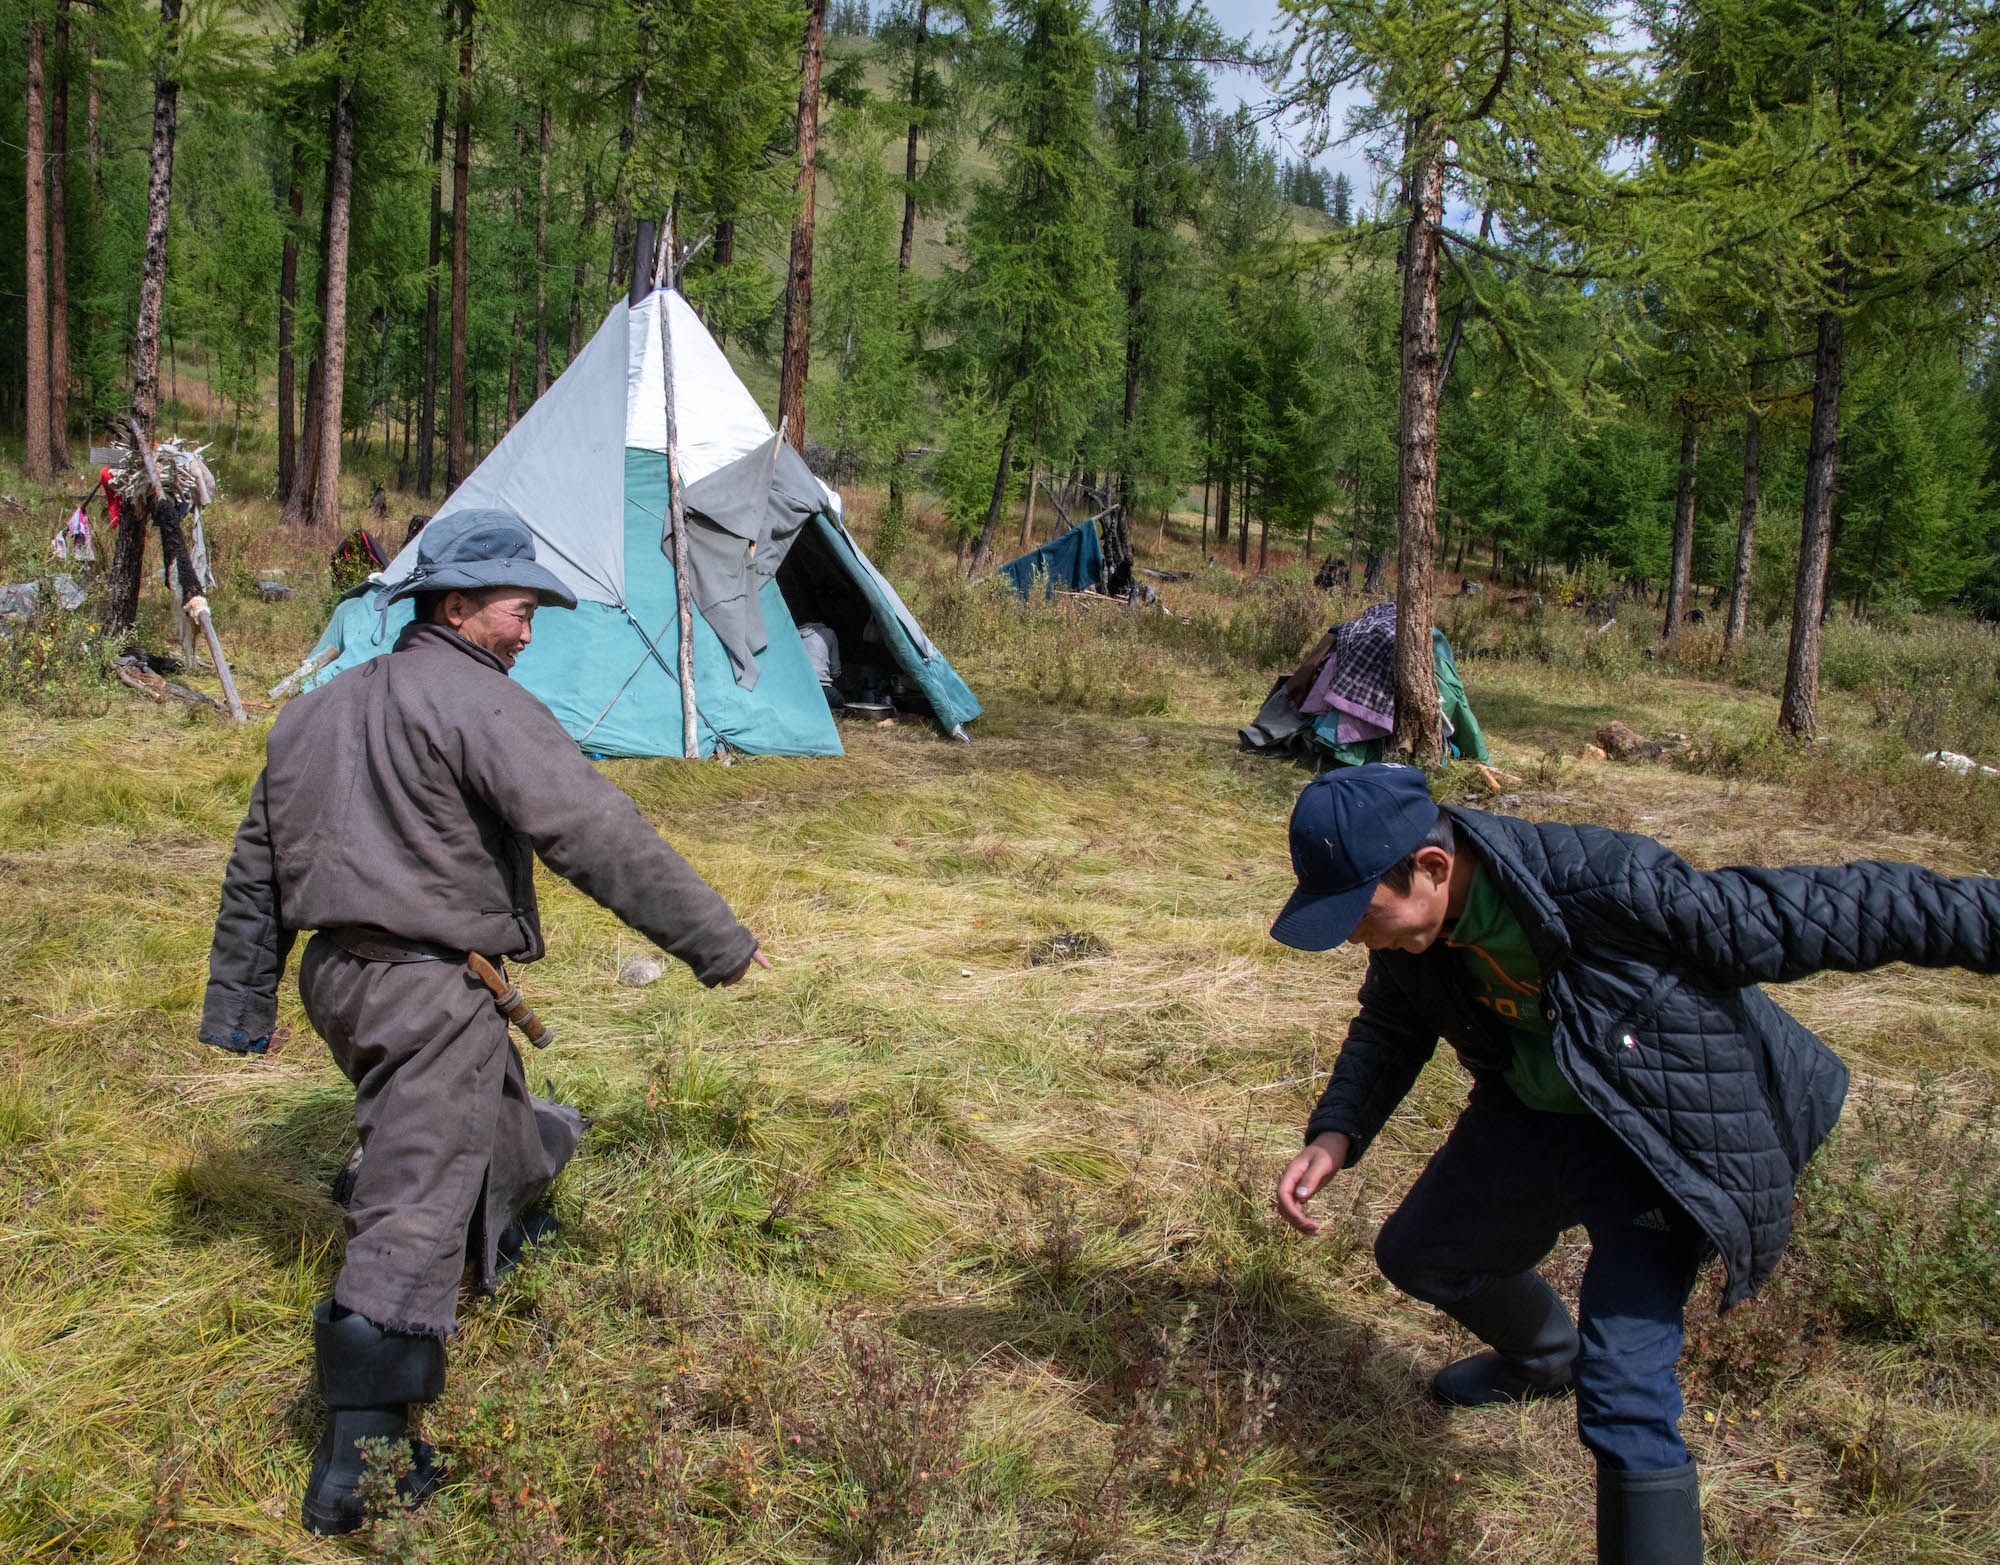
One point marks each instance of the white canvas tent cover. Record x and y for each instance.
(585, 469)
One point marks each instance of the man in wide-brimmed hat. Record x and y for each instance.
(399, 814)
(1628, 1076)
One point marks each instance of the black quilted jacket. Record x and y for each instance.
(1650, 971)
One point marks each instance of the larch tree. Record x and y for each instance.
(542, 253)
(35, 455)
(796, 364)
(928, 49)
(340, 203)
(60, 70)
(1161, 53)
(1492, 108)
(1850, 198)
(1036, 297)
(456, 463)
(128, 557)
(427, 386)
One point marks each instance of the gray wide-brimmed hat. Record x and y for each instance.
(473, 549)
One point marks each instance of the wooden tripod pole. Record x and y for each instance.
(193, 604)
(677, 536)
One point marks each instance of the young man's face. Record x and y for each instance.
(1409, 920)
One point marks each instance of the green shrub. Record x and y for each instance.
(58, 664)
(1901, 1214)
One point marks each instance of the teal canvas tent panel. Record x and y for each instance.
(586, 470)
(617, 691)
(1073, 561)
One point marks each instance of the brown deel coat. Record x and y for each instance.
(412, 794)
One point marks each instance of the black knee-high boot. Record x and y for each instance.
(1533, 1341)
(368, 1378)
(1651, 1518)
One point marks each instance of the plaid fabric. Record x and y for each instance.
(1364, 658)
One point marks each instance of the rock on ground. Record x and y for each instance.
(639, 971)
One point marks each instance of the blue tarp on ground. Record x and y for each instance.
(1074, 562)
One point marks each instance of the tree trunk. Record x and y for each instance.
(1135, 278)
(128, 558)
(1682, 564)
(1222, 508)
(427, 394)
(1243, 523)
(1798, 711)
(1264, 539)
(582, 263)
(59, 246)
(455, 467)
(984, 546)
(1034, 469)
(514, 332)
(615, 274)
(340, 201)
(93, 141)
(1746, 518)
(542, 260)
(288, 304)
(301, 502)
(1419, 723)
(908, 247)
(35, 453)
(799, 281)
(1206, 479)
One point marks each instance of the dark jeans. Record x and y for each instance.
(1492, 1203)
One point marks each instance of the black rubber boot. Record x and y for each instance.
(1648, 1518)
(368, 1377)
(1533, 1345)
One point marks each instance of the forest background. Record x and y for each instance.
(1669, 239)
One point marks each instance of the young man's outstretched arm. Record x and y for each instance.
(1745, 926)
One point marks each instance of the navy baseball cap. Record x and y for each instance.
(1347, 828)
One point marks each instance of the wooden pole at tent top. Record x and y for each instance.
(677, 533)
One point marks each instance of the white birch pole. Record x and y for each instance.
(677, 531)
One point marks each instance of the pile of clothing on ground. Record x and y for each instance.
(1339, 704)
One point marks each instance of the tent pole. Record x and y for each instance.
(677, 527)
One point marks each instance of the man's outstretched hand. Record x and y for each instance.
(1305, 1174)
(757, 958)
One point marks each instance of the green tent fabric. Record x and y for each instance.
(1466, 739)
(586, 470)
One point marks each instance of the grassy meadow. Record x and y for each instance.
(948, 1240)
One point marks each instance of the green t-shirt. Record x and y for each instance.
(1506, 979)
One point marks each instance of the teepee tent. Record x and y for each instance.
(586, 468)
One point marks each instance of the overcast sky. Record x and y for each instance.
(1259, 19)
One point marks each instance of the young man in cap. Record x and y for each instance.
(1628, 1075)
(399, 814)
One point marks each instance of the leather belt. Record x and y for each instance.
(378, 945)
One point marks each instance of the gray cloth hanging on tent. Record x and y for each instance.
(741, 522)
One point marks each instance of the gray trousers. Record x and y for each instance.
(454, 1146)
